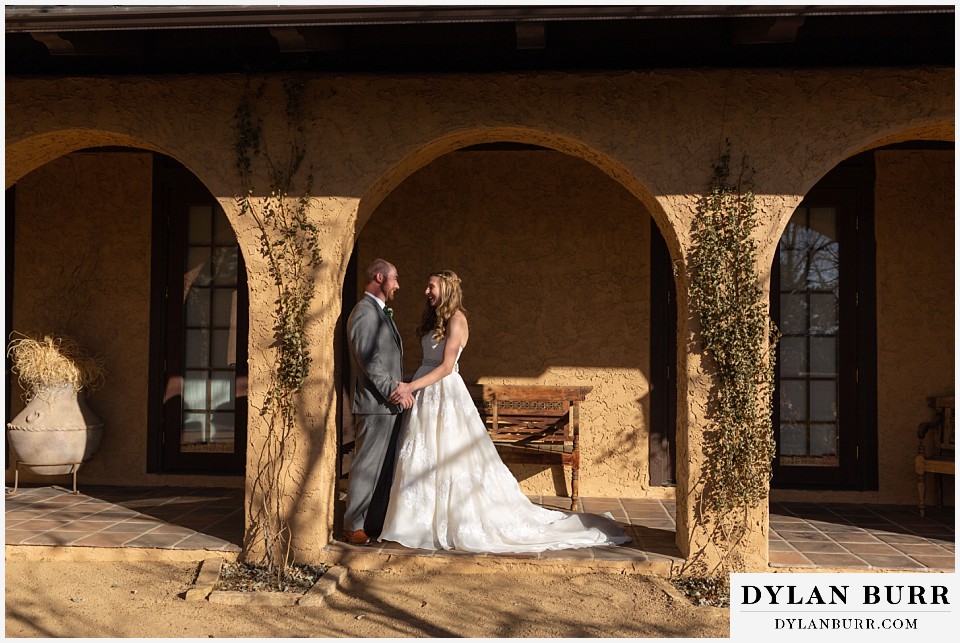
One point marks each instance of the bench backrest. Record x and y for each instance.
(533, 413)
(942, 427)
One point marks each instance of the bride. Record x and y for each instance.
(450, 488)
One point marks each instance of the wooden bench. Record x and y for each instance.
(935, 454)
(535, 425)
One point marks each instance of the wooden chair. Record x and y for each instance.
(935, 454)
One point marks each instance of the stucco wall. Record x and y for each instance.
(83, 229)
(656, 133)
(555, 259)
(915, 307)
(548, 310)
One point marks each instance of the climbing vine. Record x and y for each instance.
(290, 247)
(739, 338)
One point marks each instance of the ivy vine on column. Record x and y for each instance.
(738, 340)
(290, 247)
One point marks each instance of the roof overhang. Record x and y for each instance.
(57, 18)
(134, 39)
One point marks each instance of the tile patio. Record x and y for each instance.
(806, 535)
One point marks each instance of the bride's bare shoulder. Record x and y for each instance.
(458, 324)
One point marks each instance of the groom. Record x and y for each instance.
(377, 355)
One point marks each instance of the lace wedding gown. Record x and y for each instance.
(451, 490)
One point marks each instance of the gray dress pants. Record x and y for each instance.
(371, 472)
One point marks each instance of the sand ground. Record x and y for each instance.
(53, 598)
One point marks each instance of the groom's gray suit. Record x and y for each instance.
(377, 355)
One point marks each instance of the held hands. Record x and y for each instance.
(402, 395)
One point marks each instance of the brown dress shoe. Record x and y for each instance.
(358, 537)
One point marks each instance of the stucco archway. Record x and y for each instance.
(899, 186)
(86, 205)
(863, 141)
(25, 155)
(593, 190)
(428, 152)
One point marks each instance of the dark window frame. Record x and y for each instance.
(850, 187)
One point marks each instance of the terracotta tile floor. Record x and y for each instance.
(147, 517)
(801, 535)
(861, 536)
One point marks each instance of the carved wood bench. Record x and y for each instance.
(535, 425)
(936, 453)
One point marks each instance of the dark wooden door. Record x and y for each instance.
(200, 317)
(822, 301)
(663, 364)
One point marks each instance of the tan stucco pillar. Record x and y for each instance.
(305, 489)
(702, 534)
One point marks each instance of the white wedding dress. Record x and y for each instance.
(451, 490)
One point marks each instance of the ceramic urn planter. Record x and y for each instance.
(55, 432)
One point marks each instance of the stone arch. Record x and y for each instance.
(32, 153)
(28, 154)
(943, 132)
(431, 150)
(618, 180)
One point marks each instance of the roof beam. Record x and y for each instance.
(20, 18)
(56, 44)
(531, 35)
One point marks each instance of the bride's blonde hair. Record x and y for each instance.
(437, 318)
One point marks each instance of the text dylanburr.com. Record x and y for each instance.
(826, 607)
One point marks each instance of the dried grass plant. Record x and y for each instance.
(53, 363)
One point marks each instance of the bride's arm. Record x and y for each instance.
(455, 334)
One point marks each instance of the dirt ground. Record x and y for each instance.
(145, 599)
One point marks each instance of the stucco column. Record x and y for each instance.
(700, 530)
(303, 488)
(711, 541)
(313, 499)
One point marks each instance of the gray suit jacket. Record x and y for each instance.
(377, 355)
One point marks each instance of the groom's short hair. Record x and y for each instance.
(378, 267)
